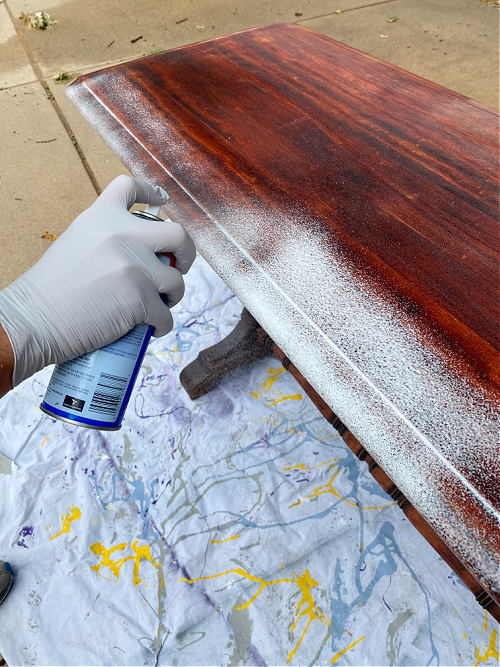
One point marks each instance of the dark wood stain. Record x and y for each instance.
(303, 132)
(331, 134)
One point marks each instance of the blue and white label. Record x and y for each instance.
(94, 389)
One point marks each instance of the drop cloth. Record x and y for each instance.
(237, 529)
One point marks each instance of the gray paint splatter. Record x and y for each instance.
(242, 624)
(5, 465)
(393, 639)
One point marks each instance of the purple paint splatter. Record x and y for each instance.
(26, 531)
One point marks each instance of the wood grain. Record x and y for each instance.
(353, 208)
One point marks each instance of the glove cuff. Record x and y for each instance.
(34, 347)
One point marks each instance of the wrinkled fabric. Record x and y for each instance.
(237, 529)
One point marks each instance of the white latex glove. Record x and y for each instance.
(97, 281)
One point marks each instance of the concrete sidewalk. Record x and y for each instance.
(53, 165)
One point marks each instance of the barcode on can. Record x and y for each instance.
(108, 395)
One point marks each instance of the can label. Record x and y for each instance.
(94, 389)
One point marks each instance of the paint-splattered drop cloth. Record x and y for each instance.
(236, 529)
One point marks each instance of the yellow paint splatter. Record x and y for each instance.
(157, 354)
(486, 622)
(274, 374)
(234, 537)
(265, 392)
(107, 561)
(139, 554)
(302, 466)
(44, 441)
(491, 651)
(328, 488)
(304, 581)
(73, 515)
(292, 397)
(116, 565)
(336, 657)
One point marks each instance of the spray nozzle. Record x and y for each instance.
(154, 210)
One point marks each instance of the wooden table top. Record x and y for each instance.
(353, 208)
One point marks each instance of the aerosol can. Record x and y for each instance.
(94, 390)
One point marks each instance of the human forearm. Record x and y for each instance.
(6, 363)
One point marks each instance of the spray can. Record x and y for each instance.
(94, 390)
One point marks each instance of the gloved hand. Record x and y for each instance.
(97, 281)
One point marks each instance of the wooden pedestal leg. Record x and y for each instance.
(240, 348)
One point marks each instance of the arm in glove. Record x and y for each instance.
(97, 281)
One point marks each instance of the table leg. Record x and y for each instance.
(240, 348)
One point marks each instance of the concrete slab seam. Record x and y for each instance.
(344, 11)
(53, 101)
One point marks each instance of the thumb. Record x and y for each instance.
(126, 191)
